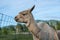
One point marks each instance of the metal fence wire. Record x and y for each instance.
(6, 20)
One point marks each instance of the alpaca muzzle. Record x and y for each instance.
(16, 19)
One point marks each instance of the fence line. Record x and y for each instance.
(6, 20)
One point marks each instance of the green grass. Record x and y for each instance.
(16, 37)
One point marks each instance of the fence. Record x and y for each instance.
(6, 20)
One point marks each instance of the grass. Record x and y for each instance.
(16, 37)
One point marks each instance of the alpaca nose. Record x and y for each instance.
(16, 19)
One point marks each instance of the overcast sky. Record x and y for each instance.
(44, 9)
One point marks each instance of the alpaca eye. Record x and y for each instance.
(24, 14)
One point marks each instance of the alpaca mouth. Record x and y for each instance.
(20, 21)
(25, 22)
(16, 19)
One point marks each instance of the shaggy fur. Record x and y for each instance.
(58, 34)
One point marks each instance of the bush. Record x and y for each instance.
(4, 30)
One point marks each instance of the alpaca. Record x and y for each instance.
(40, 31)
(58, 32)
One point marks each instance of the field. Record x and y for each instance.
(16, 37)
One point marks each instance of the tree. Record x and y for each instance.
(25, 29)
(19, 27)
(4, 30)
(11, 27)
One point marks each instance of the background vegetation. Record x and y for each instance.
(9, 32)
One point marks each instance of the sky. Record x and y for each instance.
(44, 9)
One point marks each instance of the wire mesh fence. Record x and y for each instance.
(6, 20)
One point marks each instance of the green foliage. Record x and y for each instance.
(11, 27)
(4, 30)
(0, 28)
(22, 27)
(7, 30)
(58, 25)
(0, 31)
(53, 23)
(25, 29)
(16, 37)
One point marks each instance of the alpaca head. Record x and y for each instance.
(24, 16)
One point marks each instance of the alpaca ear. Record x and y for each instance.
(32, 8)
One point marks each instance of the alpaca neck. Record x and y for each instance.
(33, 28)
